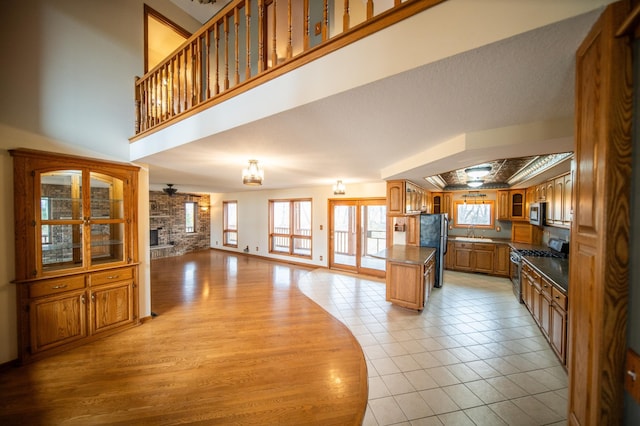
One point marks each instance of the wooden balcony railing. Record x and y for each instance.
(250, 42)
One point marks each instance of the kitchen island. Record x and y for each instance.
(410, 275)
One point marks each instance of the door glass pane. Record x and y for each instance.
(344, 241)
(107, 243)
(374, 236)
(63, 246)
(106, 197)
(61, 195)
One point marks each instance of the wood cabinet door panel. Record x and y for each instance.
(57, 320)
(483, 261)
(111, 306)
(463, 259)
(405, 285)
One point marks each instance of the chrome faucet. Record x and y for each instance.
(471, 232)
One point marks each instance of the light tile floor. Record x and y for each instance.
(474, 356)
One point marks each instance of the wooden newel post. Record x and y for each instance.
(136, 90)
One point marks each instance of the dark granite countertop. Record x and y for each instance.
(556, 270)
(406, 254)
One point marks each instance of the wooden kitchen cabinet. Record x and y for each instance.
(502, 263)
(413, 230)
(75, 225)
(567, 203)
(404, 197)
(447, 204)
(550, 199)
(558, 200)
(530, 197)
(449, 257)
(522, 232)
(544, 311)
(503, 205)
(473, 257)
(409, 284)
(436, 202)
(558, 333)
(548, 306)
(516, 204)
(395, 197)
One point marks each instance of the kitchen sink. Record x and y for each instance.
(474, 239)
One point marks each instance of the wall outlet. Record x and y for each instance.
(257, 248)
(321, 258)
(216, 243)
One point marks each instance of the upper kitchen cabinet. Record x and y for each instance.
(404, 197)
(511, 205)
(436, 202)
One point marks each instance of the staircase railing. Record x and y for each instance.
(250, 42)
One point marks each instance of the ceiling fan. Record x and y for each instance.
(170, 190)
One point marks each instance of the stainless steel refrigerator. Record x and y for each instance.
(434, 232)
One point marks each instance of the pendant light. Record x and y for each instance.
(253, 174)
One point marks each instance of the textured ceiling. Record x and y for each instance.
(356, 134)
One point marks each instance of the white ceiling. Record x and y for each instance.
(367, 133)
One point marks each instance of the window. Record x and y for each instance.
(190, 217)
(45, 209)
(230, 223)
(478, 215)
(290, 227)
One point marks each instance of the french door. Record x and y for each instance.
(358, 229)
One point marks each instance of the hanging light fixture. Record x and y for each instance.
(477, 172)
(476, 183)
(253, 174)
(339, 188)
(170, 190)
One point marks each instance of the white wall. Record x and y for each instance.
(253, 216)
(67, 86)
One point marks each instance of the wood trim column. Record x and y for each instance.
(598, 277)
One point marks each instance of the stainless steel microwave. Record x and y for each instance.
(537, 213)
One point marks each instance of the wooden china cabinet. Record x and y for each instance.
(76, 250)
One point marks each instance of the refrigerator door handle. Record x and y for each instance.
(446, 235)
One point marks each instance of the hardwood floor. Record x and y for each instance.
(234, 342)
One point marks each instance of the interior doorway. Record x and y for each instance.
(358, 229)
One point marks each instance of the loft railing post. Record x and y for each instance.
(216, 36)
(208, 64)
(289, 30)
(236, 22)
(247, 14)
(307, 23)
(274, 52)
(325, 21)
(226, 52)
(345, 18)
(261, 36)
(138, 96)
(370, 8)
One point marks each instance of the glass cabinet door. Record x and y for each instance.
(61, 220)
(106, 219)
(80, 228)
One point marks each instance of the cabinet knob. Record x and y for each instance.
(93, 297)
(83, 299)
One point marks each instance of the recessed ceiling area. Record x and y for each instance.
(512, 99)
(502, 173)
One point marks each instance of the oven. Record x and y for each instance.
(515, 267)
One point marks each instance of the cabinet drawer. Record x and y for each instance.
(56, 285)
(546, 287)
(468, 246)
(480, 246)
(111, 276)
(559, 298)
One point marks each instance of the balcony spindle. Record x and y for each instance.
(236, 24)
(289, 30)
(370, 8)
(325, 21)
(274, 52)
(261, 34)
(208, 64)
(247, 13)
(345, 18)
(216, 37)
(307, 23)
(226, 52)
